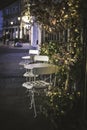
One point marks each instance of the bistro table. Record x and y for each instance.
(37, 65)
(29, 68)
(39, 69)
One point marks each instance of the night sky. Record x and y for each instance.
(4, 3)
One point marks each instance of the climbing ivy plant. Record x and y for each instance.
(59, 16)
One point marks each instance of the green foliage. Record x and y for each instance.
(57, 15)
(60, 100)
(48, 49)
(68, 61)
(67, 56)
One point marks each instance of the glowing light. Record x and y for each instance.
(50, 29)
(78, 93)
(54, 21)
(19, 18)
(76, 30)
(11, 23)
(70, 4)
(66, 16)
(25, 19)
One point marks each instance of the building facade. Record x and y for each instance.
(11, 23)
(29, 26)
(19, 25)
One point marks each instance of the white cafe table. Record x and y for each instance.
(29, 68)
(37, 65)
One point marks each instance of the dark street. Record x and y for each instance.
(43, 65)
(14, 111)
(14, 103)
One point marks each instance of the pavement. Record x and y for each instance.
(14, 104)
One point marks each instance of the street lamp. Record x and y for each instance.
(19, 27)
(11, 30)
(11, 22)
(19, 18)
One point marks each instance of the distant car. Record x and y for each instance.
(18, 44)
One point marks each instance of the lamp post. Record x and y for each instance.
(19, 27)
(11, 22)
(11, 30)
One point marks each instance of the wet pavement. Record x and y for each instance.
(14, 105)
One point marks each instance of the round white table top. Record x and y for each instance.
(37, 65)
